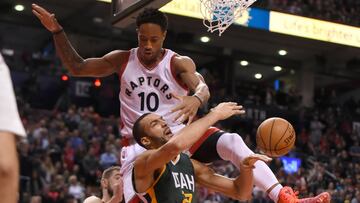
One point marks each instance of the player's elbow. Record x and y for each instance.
(244, 192)
(75, 70)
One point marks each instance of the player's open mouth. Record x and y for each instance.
(167, 131)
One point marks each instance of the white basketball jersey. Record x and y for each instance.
(143, 90)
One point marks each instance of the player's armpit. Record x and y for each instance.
(206, 177)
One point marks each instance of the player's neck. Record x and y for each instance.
(176, 158)
(106, 197)
(150, 64)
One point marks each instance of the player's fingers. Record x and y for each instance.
(41, 10)
(178, 107)
(238, 107)
(239, 112)
(191, 118)
(38, 15)
(176, 96)
(257, 157)
(184, 117)
(182, 112)
(36, 7)
(264, 159)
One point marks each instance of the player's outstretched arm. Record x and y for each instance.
(186, 71)
(92, 67)
(239, 188)
(153, 160)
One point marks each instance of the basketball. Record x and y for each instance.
(275, 137)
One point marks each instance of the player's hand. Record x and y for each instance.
(187, 108)
(227, 109)
(118, 190)
(249, 161)
(47, 19)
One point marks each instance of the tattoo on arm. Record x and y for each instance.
(70, 58)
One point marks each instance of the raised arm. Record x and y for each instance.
(77, 66)
(186, 71)
(239, 188)
(153, 160)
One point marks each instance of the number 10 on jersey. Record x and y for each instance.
(150, 101)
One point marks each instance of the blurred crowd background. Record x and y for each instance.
(66, 151)
(343, 11)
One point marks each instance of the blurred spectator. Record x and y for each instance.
(331, 10)
(108, 158)
(355, 152)
(90, 165)
(316, 130)
(76, 189)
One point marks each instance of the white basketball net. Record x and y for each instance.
(220, 14)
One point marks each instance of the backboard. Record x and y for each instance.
(124, 12)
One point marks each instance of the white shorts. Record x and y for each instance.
(9, 116)
(128, 156)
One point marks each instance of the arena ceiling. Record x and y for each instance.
(88, 23)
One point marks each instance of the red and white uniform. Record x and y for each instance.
(142, 91)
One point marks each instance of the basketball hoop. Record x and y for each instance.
(220, 14)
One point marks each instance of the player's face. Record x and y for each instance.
(150, 39)
(114, 179)
(158, 132)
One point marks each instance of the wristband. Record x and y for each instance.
(197, 97)
(58, 32)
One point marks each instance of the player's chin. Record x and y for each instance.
(149, 57)
(166, 138)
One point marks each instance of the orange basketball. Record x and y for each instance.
(275, 137)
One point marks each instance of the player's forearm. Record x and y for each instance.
(68, 55)
(244, 184)
(202, 90)
(193, 132)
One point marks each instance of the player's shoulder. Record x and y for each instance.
(92, 199)
(181, 58)
(143, 156)
(118, 53)
(180, 62)
(117, 57)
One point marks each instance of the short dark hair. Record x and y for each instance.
(107, 172)
(151, 15)
(138, 130)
